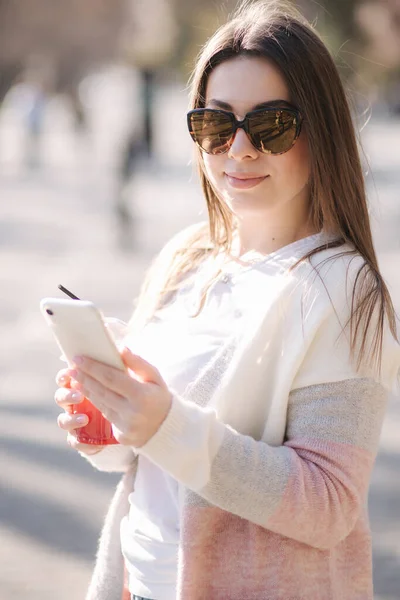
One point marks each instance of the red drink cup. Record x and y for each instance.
(99, 430)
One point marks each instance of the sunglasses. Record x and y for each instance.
(270, 130)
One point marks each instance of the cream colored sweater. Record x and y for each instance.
(274, 443)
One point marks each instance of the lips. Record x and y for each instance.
(244, 180)
(250, 175)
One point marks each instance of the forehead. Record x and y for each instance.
(244, 82)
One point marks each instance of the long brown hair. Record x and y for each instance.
(277, 31)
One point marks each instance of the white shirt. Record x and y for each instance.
(179, 346)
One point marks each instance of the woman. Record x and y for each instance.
(263, 347)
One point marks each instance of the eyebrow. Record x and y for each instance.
(269, 104)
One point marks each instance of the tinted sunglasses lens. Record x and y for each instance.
(211, 130)
(273, 131)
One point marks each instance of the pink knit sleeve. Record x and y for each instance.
(332, 439)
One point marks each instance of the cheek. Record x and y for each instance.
(294, 166)
(214, 167)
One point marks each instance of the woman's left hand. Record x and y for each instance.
(135, 401)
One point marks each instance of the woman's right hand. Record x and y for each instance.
(66, 397)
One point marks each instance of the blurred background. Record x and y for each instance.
(95, 176)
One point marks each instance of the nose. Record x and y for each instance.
(242, 148)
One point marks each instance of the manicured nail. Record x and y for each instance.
(78, 360)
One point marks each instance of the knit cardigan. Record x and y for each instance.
(274, 444)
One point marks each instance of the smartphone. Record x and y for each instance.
(79, 330)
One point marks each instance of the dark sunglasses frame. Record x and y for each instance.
(245, 125)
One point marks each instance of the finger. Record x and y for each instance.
(66, 396)
(71, 422)
(115, 380)
(62, 378)
(103, 398)
(143, 369)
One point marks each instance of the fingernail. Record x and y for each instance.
(82, 419)
(78, 360)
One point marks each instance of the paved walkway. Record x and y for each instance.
(56, 226)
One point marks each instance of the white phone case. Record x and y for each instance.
(79, 329)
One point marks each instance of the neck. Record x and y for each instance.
(268, 238)
(277, 225)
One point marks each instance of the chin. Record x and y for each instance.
(245, 202)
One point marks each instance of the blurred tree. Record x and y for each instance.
(196, 21)
(332, 15)
(380, 22)
(364, 36)
(73, 35)
(146, 43)
(47, 47)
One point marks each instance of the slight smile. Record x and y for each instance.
(244, 181)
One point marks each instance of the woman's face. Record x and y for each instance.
(249, 181)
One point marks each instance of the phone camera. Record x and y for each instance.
(49, 312)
